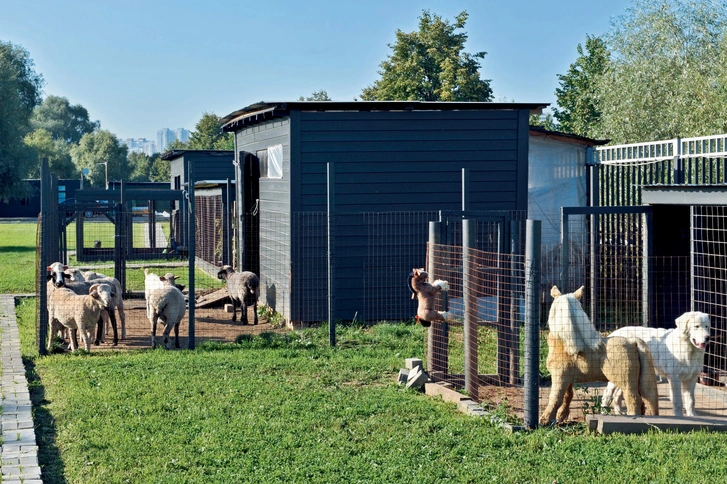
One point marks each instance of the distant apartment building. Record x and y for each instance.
(165, 136)
(140, 145)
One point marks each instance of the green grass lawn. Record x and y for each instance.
(288, 408)
(17, 257)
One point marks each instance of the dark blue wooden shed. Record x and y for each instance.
(375, 161)
(207, 165)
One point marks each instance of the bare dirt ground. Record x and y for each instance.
(211, 324)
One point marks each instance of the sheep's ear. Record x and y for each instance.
(176, 277)
(555, 292)
(66, 275)
(161, 278)
(579, 293)
(50, 276)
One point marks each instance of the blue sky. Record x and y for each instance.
(138, 66)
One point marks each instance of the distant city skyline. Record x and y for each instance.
(165, 136)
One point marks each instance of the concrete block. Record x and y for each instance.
(417, 378)
(229, 308)
(412, 363)
(447, 392)
(403, 376)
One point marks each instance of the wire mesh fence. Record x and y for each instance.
(315, 267)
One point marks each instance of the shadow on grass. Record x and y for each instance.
(49, 457)
(17, 248)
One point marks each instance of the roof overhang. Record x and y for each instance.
(264, 111)
(684, 195)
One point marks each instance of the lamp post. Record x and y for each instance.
(106, 171)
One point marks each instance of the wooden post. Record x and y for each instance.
(438, 333)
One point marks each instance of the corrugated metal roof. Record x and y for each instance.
(263, 111)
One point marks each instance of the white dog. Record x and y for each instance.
(678, 355)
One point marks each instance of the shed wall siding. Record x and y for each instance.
(274, 209)
(410, 160)
(401, 164)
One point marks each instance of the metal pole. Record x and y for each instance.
(434, 356)
(465, 189)
(192, 230)
(564, 251)
(532, 323)
(330, 186)
(44, 262)
(469, 296)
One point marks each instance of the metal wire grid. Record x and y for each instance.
(483, 335)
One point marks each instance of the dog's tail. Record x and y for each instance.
(410, 286)
(647, 378)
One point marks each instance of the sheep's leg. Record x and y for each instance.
(86, 337)
(254, 311)
(167, 330)
(176, 335)
(153, 330)
(112, 318)
(243, 313)
(122, 316)
(234, 310)
(73, 339)
(55, 326)
(103, 321)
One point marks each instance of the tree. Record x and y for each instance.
(431, 65)
(20, 89)
(99, 147)
(159, 171)
(321, 95)
(667, 76)
(546, 122)
(58, 153)
(64, 121)
(208, 135)
(577, 111)
(140, 166)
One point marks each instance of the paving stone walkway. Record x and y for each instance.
(19, 452)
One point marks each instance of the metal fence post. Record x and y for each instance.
(191, 253)
(532, 323)
(330, 192)
(469, 296)
(44, 261)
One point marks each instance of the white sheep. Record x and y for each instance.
(242, 287)
(166, 303)
(58, 277)
(89, 278)
(66, 309)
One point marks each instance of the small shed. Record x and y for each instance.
(207, 165)
(297, 159)
(30, 206)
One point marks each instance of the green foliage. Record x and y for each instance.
(321, 95)
(547, 122)
(20, 88)
(62, 120)
(659, 73)
(668, 77)
(57, 151)
(431, 65)
(274, 318)
(96, 148)
(578, 110)
(208, 135)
